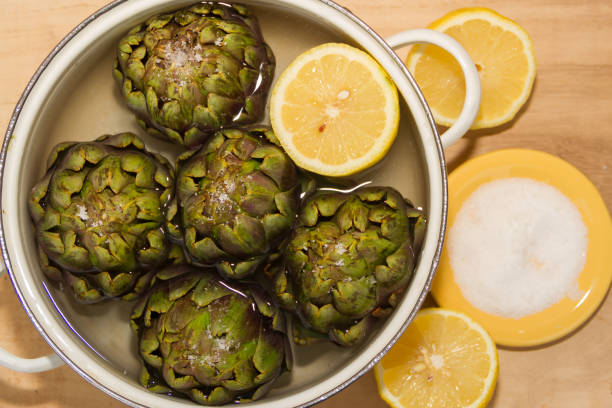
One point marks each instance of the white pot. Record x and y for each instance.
(84, 336)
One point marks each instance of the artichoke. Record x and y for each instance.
(188, 73)
(348, 260)
(204, 339)
(101, 215)
(238, 199)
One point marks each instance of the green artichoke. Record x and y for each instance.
(101, 215)
(188, 73)
(348, 260)
(204, 339)
(238, 198)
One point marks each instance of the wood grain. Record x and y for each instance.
(568, 115)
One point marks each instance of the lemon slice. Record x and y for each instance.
(335, 110)
(504, 56)
(444, 359)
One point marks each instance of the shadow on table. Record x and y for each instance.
(57, 388)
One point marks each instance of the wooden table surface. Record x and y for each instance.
(569, 115)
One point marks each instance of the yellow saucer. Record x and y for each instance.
(594, 280)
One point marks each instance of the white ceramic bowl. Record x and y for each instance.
(72, 96)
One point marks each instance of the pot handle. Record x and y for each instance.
(27, 365)
(472, 80)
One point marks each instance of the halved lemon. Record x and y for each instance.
(335, 110)
(443, 359)
(504, 56)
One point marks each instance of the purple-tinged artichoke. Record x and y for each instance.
(208, 340)
(350, 257)
(238, 198)
(101, 215)
(191, 72)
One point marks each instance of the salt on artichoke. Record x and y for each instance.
(208, 340)
(238, 198)
(101, 214)
(348, 260)
(188, 73)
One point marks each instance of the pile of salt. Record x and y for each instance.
(517, 247)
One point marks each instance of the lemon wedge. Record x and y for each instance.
(335, 110)
(504, 56)
(443, 359)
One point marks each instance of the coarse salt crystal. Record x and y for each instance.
(517, 247)
(82, 213)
